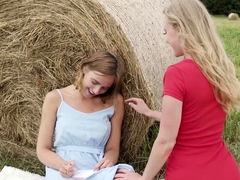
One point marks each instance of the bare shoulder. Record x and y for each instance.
(52, 95)
(52, 98)
(67, 89)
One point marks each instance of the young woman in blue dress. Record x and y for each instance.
(82, 122)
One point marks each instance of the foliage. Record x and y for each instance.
(222, 7)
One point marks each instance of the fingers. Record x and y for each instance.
(123, 171)
(120, 174)
(67, 169)
(134, 101)
(103, 163)
(62, 171)
(71, 166)
(131, 101)
(126, 174)
(97, 167)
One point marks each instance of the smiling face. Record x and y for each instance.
(100, 75)
(173, 38)
(95, 83)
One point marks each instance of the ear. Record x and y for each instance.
(178, 29)
(85, 69)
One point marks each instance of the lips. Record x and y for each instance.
(91, 93)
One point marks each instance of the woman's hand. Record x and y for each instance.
(124, 174)
(103, 163)
(67, 169)
(139, 105)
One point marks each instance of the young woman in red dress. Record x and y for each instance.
(198, 93)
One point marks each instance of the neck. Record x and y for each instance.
(187, 56)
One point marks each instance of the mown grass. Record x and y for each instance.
(24, 163)
(229, 32)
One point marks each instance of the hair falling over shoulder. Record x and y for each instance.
(200, 40)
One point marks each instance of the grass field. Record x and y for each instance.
(229, 32)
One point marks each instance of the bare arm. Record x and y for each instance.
(46, 130)
(113, 144)
(156, 115)
(166, 139)
(140, 106)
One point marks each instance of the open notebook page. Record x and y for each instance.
(83, 174)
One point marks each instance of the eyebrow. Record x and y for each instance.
(99, 83)
(94, 81)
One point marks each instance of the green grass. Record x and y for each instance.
(22, 162)
(229, 31)
(232, 134)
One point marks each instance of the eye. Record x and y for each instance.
(95, 82)
(105, 88)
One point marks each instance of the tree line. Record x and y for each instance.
(222, 7)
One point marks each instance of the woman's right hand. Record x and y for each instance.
(68, 169)
(139, 105)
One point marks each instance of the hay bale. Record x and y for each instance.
(233, 16)
(142, 23)
(41, 44)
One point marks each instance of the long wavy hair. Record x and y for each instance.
(107, 64)
(199, 39)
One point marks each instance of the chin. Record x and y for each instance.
(87, 95)
(178, 54)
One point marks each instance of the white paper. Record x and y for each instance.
(83, 174)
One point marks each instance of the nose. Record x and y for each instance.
(97, 90)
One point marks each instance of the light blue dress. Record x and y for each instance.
(82, 137)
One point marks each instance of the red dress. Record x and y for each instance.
(200, 152)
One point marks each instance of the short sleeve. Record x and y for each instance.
(173, 83)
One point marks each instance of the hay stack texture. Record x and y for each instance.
(41, 44)
(233, 16)
(142, 23)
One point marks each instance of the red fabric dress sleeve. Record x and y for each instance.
(173, 83)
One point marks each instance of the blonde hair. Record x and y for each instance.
(107, 64)
(200, 40)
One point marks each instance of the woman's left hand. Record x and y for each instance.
(103, 163)
(124, 174)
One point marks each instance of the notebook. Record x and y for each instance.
(83, 174)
